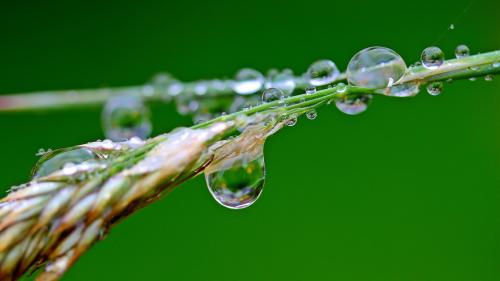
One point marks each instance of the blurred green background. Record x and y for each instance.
(409, 190)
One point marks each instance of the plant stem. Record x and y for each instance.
(451, 69)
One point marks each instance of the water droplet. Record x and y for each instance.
(353, 105)
(272, 94)
(126, 117)
(284, 81)
(374, 68)
(496, 64)
(472, 79)
(435, 88)
(291, 120)
(312, 114)
(201, 88)
(432, 57)
(248, 81)
(452, 26)
(403, 90)
(341, 87)
(62, 158)
(488, 77)
(310, 90)
(462, 51)
(238, 181)
(322, 72)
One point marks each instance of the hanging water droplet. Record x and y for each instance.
(462, 51)
(353, 105)
(126, 117)
(435, 88)
(310, 90)
(284, 81)
(322, 72)
(488, 77)
(374, 68)
(312, 114)
(291, 120)
(403, 90)
(432, 57)
(272, 94)
(58, 159)
(248, 81)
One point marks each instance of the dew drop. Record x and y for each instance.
(322, 72)
(272, 94)
(375, 67)
(472, 79)
(496, 64)
(488, 77)
(353, 105)
(126, 117)
(452, 26)
(462, 51)
(248, 81)
(432, 57)
(238, 182)
(341, 87)
(312, 114)
(291, 120)
(403, 90)
(61, 158)
(435, 88)
(310, 90)
(284, 81)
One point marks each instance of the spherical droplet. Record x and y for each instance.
(375, 67)
(462, 51)
(126, 117)
(432, 57)
(284, 81)
(310, 90)
(322, 72)
(435, 88)
(248, 81)
(58, 159)
(353, 105)
(239, 184)
(291, 120)
(272, 94)
(312, 114)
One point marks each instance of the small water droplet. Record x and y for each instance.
(432, 57)
(341, 87)
(403, 90)
(248, 81)
(488, 77)
(291, 120)
(353, 105)
(126, 117)
(284, 81)
(312, 114)
(472, 79)
(322, 72)
(435, 88)
(238, 182)
(496, 64)
(462, 51)
(272, 94)
(62, 158)
(310, 90)
(374, 68)
(452, 26)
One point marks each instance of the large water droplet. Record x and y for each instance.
(272, 94)
(248, 81)
(353, 105)
(58, 159)
(375, 67)
(322, 72)
(432, 57)
(435, 88)
(284, 81)
(126, 117)
(238, 182)
(462, 51)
